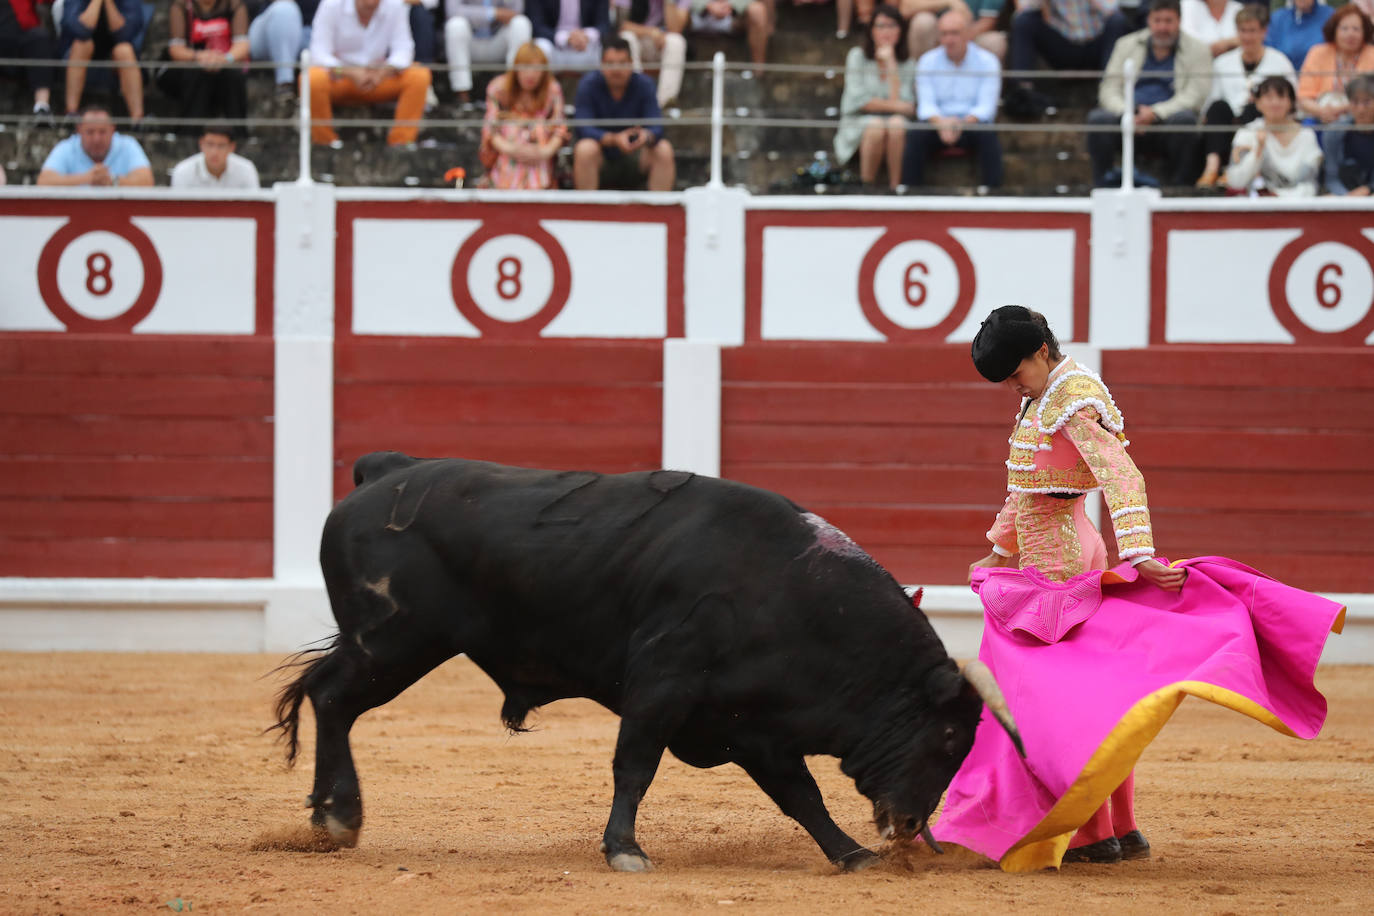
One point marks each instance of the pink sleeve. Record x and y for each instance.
(1003, 531)
(1123, 487)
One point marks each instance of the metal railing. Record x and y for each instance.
(718, 118)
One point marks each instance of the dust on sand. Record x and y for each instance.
(129, 781)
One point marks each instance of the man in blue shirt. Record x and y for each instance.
(620, 155)
(1348, 144)
(1297, 27)
(957, 84)
(97, 155)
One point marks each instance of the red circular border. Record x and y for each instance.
(1355, 335)
(57, 303)
(868, 297)
(526, 327)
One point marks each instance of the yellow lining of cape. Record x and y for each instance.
(1113, 761)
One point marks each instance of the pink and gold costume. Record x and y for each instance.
(1093, 662)
(1068, 442)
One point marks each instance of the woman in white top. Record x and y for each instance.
(1235, 74)
(1274, 153)
(1212, 22)
(879, 98)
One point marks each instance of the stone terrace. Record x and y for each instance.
(763, 158)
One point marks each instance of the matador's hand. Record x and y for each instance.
(1169, 578)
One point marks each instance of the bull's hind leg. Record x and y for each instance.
(790, 784)
(356, 676)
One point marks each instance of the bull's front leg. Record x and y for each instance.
(790, 784)
(638, 751)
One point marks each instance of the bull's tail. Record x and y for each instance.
(289, 700)
(375, 464)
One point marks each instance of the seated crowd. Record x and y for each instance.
(1223, 97)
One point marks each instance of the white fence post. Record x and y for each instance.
(305, 118)
(717, 114)
(1128, 130)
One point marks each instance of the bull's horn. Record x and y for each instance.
(980, 679)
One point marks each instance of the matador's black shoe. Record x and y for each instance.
(1103, 852)
(1134, 845)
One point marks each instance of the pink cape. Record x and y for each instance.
(1093, 667)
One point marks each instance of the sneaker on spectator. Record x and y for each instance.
(431, 100)
(1025, 102)
(42, 111)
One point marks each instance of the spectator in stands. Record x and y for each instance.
(620, 156)
(879, 97)
(722, 17)
(22, 35)
(1274, 154)
(100, 29)
(361, 52)
(1294, 29)
(957, 84)
(1212, 22)
(570, 32)
(1175, 78)
(654, 29)
(96, 155)
(280, 31)
(1348, 50)
(1234, 76)
(216, 166)
(524, 127)
(923, 33)
(1348, 144)
(212, 34)
(487, 31)
(1068, 34)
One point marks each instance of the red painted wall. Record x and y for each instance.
(900, 446)
(135, 456)
(586, 405)
(1261, 454)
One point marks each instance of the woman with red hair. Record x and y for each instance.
(524, 124)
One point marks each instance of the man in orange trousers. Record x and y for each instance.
(361, 52)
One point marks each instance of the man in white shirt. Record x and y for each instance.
(362, 52)
(216, 166)
(957, 86)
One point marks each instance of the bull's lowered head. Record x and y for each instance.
(942, 737)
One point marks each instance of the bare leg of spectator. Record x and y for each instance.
(872, 148)
(587, 159)
(657, 161)
(759, 25)
(921, 34)
(844, 17)
(81, 52)
(130, 78)
(896, 145)
(996, 42)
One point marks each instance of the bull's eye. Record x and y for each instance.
(911, 825)
(949, 739)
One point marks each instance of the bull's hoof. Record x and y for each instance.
(858, 860)
(340, 833)
(628, 861)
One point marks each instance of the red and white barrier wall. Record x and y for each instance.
(190, 379)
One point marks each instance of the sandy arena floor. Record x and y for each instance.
(128, 782)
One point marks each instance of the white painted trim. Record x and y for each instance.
(922, 204)
(1259, 204)
(476, 195)
(691, 406)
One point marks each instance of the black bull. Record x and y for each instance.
(719, 621)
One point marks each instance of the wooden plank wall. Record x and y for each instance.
(900, 446)
(1262, 454)
(1265, 455)
(584, 405)
(135, 456)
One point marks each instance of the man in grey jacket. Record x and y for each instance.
(1174, 78)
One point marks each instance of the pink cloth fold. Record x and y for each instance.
(1074, 657)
